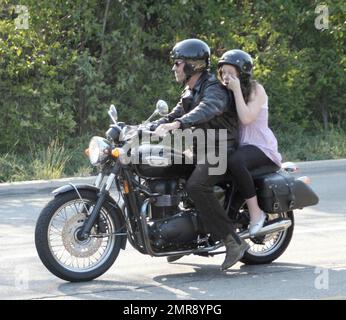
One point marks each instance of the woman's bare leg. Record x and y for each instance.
(254, 209)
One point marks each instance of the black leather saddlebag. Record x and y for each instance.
(280, 192)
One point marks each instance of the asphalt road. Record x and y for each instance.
(313, 266)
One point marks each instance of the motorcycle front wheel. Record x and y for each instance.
(59, 247)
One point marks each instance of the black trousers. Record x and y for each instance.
(240, 162)
(212, 214)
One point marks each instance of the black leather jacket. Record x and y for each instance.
(209, 105)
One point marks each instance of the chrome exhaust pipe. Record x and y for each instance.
(270, 228)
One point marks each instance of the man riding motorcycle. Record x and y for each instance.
(204, 104)
(165, 208)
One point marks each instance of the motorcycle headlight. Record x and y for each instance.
(99, 150)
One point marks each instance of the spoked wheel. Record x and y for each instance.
(59, 245)
(266, 249)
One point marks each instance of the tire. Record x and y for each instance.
(284, 238)
(44, 244)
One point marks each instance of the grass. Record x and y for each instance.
(305, 146)
(59, 159)
(51, 162)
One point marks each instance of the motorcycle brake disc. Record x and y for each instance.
(76, 247)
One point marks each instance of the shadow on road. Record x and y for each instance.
(207, 282)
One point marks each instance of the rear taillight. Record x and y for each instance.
(305, 179)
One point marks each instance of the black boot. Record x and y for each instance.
(234, 251)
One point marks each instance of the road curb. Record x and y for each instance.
(47, 186)
(40, 186)
(321, 166)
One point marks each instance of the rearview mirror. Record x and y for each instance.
(162, 107)
(113, 113)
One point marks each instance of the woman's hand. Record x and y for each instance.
(163, 129)
(232, 83)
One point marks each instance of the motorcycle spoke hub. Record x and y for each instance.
(79, 248)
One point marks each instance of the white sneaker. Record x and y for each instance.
(255, 227)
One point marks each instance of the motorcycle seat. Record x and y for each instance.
(264, 170)
(255, 172)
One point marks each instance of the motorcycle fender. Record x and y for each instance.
(68, 188)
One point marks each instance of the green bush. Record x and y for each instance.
(296, 144)
(38, 163)
(12, 168)
(58, 77)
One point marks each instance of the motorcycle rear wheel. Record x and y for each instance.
(273, 245)
(58, 246)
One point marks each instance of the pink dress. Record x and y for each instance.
(258, 133)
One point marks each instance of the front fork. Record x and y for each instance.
(101, 196)
(98, 180)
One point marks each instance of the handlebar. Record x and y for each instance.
(146, 131)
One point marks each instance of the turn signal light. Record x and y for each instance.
(115, 153)
(305, 179)
(126, 187)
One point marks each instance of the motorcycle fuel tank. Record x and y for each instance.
(156, 161)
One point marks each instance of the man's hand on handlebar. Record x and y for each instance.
(163, 129)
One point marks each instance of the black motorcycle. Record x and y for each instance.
(80, 232)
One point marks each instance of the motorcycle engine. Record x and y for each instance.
(167, 203)
(176, 232)
(170, 226)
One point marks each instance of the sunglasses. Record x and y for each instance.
(178, 63)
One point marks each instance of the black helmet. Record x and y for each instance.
(192, 50)
(238, 58)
